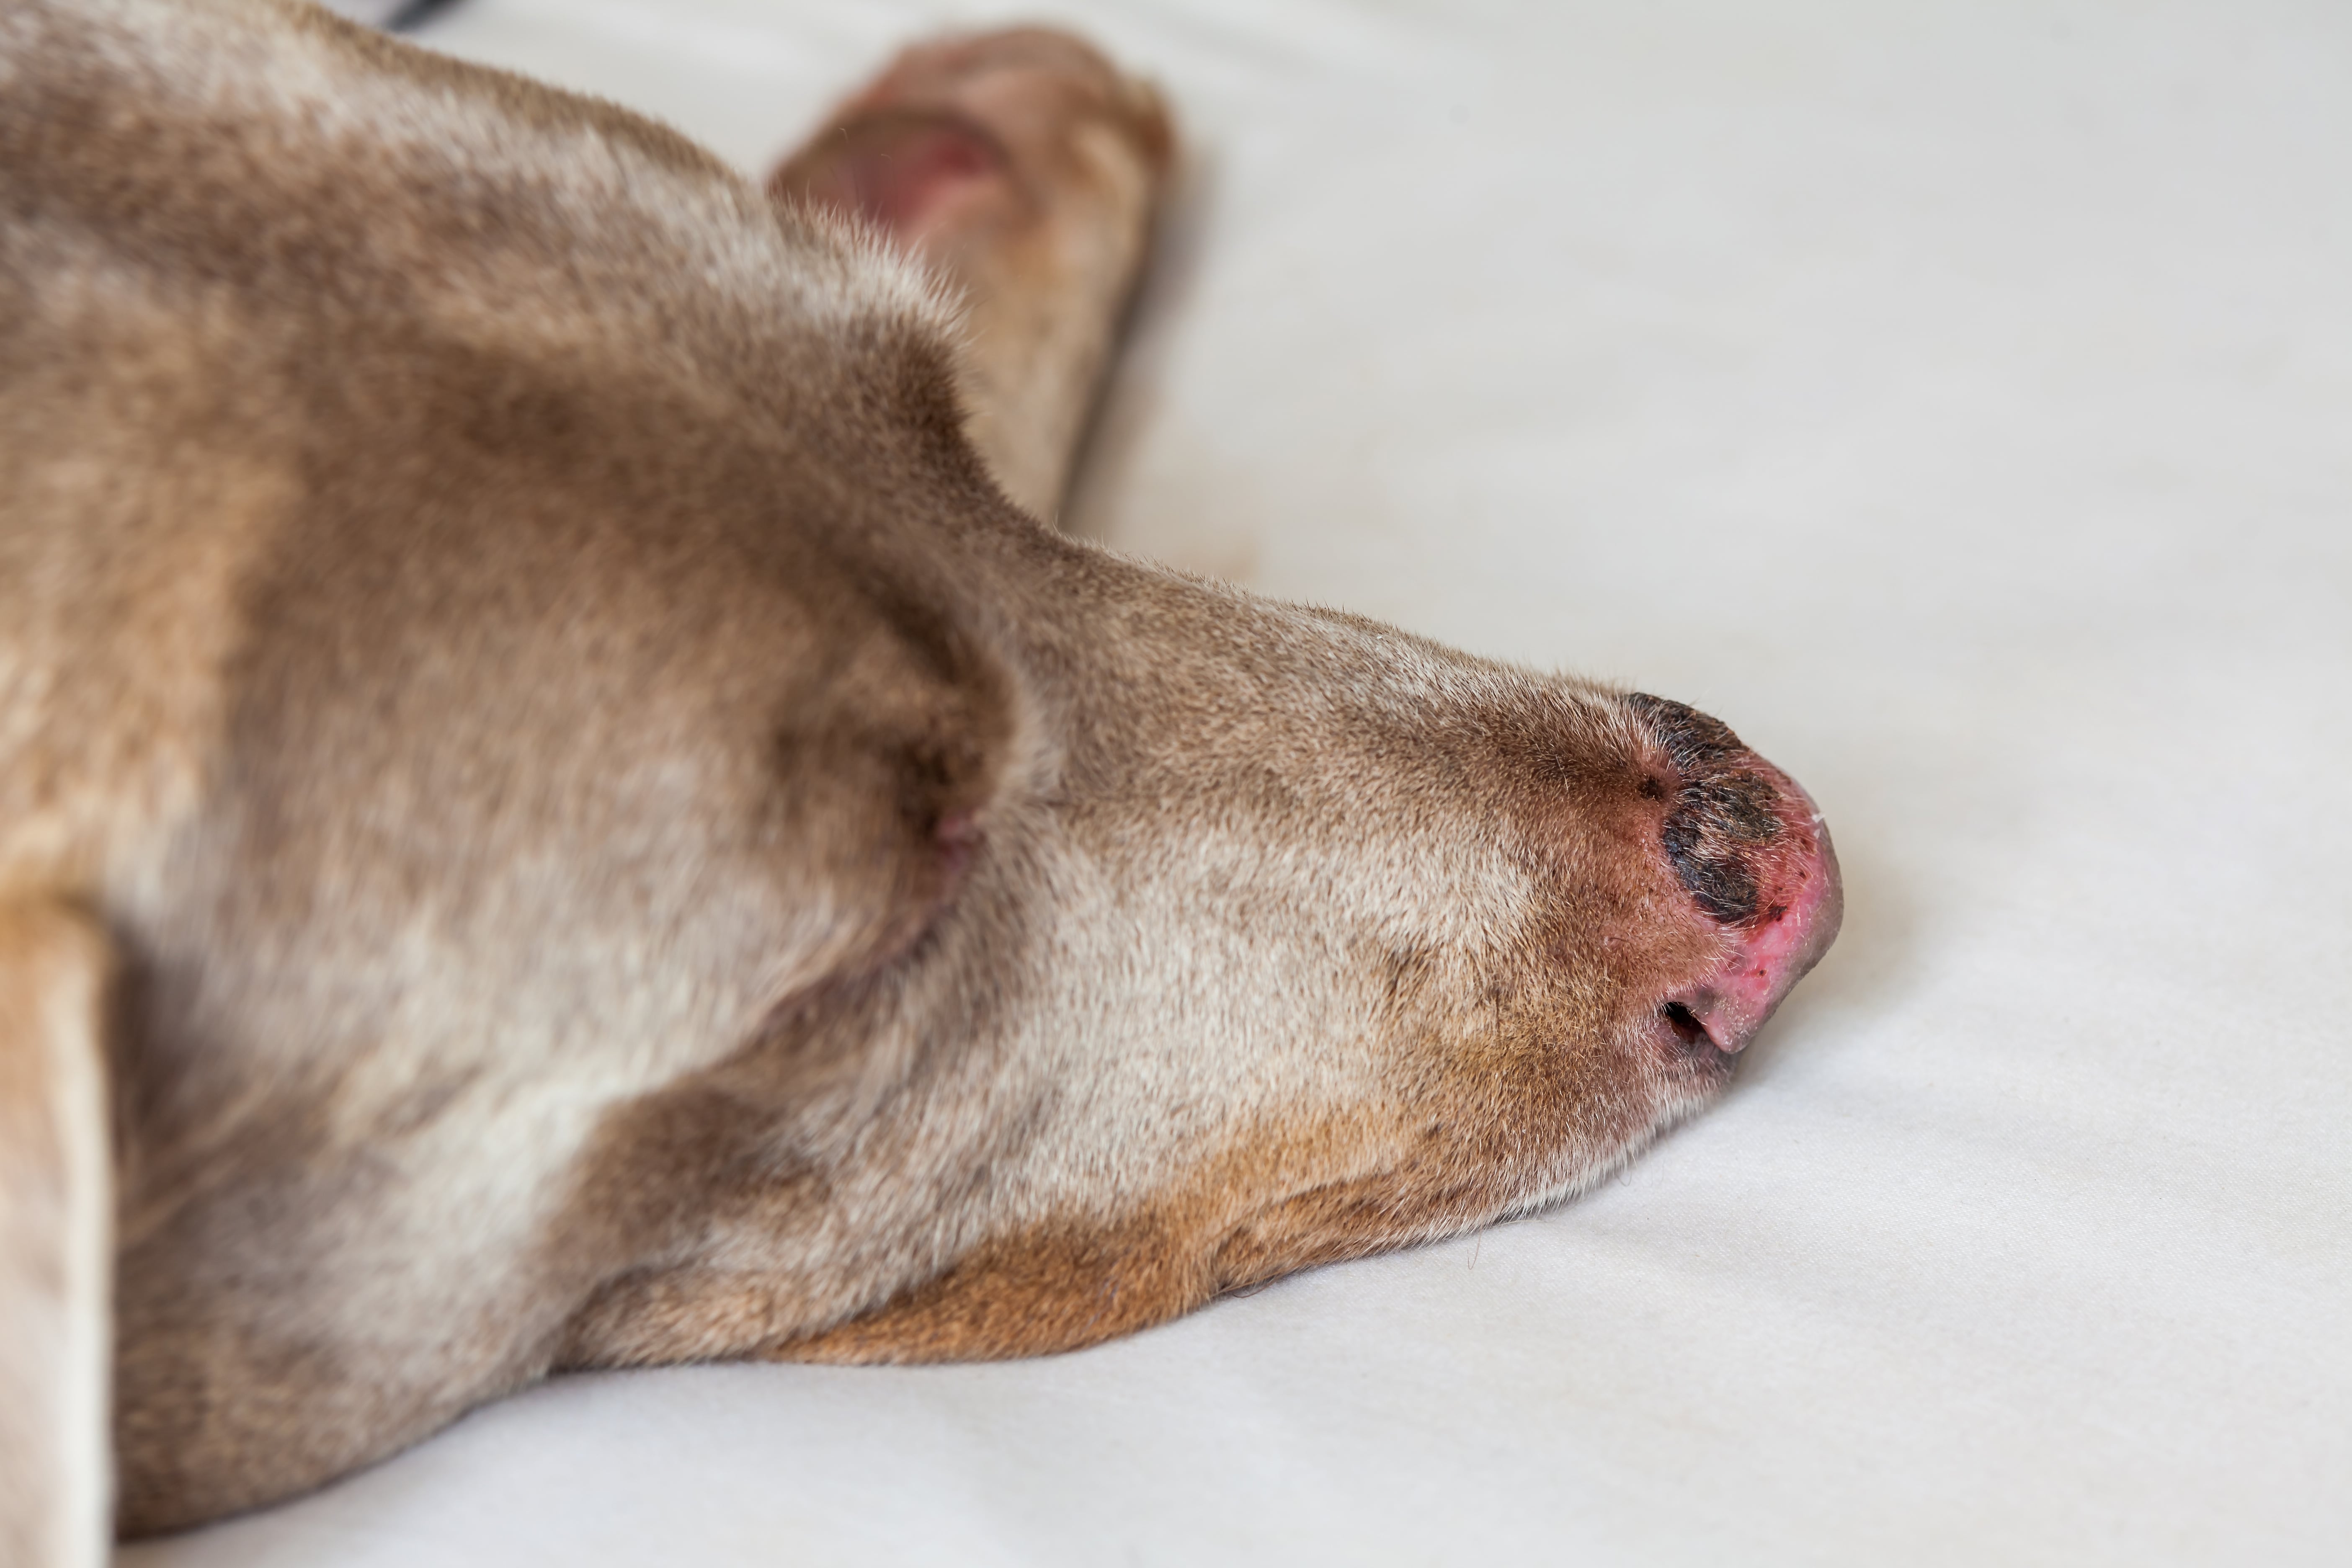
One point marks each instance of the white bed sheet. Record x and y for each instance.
(1958, 398)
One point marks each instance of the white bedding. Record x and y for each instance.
(1954, 398)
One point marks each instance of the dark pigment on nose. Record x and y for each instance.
(1722, 809)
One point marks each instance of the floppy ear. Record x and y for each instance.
(56, 1240)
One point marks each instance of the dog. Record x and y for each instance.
(561, 807)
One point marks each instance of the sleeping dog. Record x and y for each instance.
(560, 806)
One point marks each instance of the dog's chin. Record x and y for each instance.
(1678, 1093)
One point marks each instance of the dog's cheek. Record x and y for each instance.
(1491, 1102)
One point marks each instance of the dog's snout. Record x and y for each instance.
(1747, 847)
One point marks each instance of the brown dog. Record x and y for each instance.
(554, 813)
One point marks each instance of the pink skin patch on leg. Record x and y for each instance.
(906, 170)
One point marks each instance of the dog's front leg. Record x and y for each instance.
(55, 1242)
(1025, 170)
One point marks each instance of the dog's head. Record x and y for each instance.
(1286, 937)
(1251, 937)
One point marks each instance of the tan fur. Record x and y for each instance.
(624, 845)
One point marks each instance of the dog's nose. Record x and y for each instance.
(1751, 850)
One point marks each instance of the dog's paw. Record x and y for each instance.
(1024, 170)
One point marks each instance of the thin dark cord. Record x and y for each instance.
(414, 15)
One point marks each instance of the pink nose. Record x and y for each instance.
(1750, 849)
(1771, 951)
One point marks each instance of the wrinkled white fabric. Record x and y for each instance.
(1956, 398)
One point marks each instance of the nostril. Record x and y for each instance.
(1684, 1023)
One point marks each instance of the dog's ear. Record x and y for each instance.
(56, 1240)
